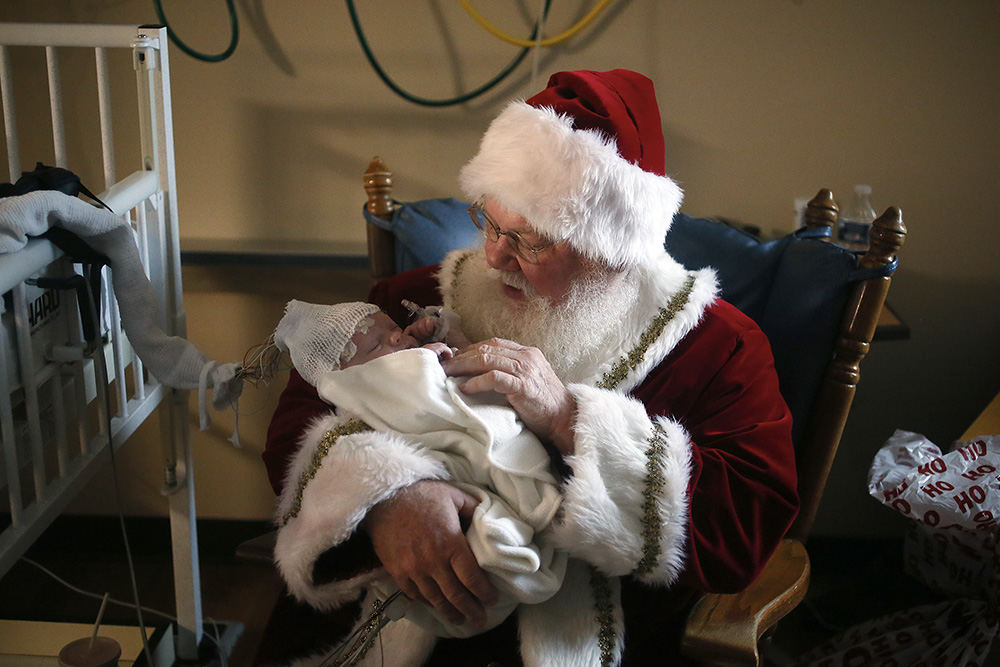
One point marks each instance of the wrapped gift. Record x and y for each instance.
(954, 500)
(950, 633)
(952, 547)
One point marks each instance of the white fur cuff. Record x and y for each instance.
(323, 505)
(625, 507)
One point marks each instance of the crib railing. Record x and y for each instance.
(52, 399)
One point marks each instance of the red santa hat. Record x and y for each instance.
(583, 162)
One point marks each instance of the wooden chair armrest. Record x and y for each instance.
(725, 629)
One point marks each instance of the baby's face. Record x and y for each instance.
(382, 338)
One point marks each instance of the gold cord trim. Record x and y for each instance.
(605, 616)
(354, 649)
(372, 627)
(652, 522)
(329, 438)
(630, 361)
(459, 263)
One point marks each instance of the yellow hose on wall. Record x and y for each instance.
(549, 41)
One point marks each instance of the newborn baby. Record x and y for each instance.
(360, 361)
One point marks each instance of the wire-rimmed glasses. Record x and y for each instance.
(492, 232)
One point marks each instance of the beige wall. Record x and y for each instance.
(762, 102)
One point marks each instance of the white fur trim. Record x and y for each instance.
(448, 274)
(358, 472)
(572, 185)
(308, 442)
(565, 630)
(665, 281)
(461, 278)
(602, 516)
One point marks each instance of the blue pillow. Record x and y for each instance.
(745, 266)
(811, 289)
(794, 287)
(427, 230)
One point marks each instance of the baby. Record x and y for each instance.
(322, 338)
(360, 361)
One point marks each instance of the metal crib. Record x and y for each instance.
(53, 438)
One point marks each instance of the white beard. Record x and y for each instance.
(573, 335)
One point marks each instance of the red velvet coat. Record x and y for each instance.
(717, 382)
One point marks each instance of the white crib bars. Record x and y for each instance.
(52, 437)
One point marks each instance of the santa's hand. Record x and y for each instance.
(417, 535)
(526, 378)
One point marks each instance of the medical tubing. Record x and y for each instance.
(217, 639)
(100, 365)
(207, 57)
(373, 61)
(532, 42)
(88, 311)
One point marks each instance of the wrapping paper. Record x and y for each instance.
(953, 633)
(952, 547)
(954, 500)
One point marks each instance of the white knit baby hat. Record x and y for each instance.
(318, 337)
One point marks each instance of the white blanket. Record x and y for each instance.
(488, 452)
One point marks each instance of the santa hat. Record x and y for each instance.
(318, 337)
(583, 162)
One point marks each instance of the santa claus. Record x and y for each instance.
(658, 401)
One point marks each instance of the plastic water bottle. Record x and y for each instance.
(856, 220)
(801, 203)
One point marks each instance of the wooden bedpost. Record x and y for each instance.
(381, 243)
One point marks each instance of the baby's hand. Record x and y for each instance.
(422, 329)
(442, 351)
(456, 338)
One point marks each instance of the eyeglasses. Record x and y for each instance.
(526, 251)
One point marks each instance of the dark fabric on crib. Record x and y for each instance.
(44, 177)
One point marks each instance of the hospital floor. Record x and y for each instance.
(853, 581)
(88, 553)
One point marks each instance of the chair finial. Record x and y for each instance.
(378, 185)
(822, 211)
(885, 238)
